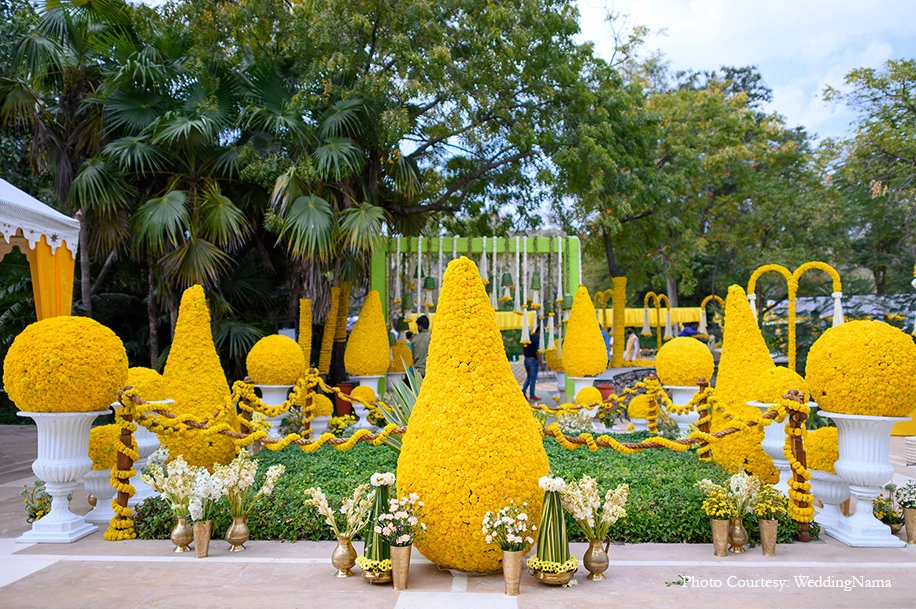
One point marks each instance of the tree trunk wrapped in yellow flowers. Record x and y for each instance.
(367, 351)
(327, 336)
(472, 443)
(196, 378)
(584, 351)
(305, 330)
(745, 357)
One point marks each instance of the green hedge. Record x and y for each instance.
(664, 506)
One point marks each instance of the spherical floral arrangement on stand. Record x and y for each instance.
(367, 351)
(822, 449)
(196, 378)
(461, 453)
(63, 372)
(777, 381)
(275, 360)
(683, 361)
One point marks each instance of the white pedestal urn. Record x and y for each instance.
(63, 459)
(774, 442)
(681, 396)
(361, 411)
(319, 426)
(98, 484)
(864, 463)
(640, 424)
(580, 383)
(832, 490)
(274, 395)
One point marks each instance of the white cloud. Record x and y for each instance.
(800, 46)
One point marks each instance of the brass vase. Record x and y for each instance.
(400, 566)
(895, 528)
(719, 536)
(182, 536)
(909, 517)
(344, 557)
(238, 533)
(737, 536)
(596, 560)
(202, 538)
(553, 579)
(512, 571)
(768, 536)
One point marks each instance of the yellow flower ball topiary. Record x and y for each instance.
(65, 364)
(588, 396)
(195, 377)
(472, 444)
(323, 405)
(103, 442)
(367, 352)
(584, 352)
(865, 368)
(682, 361)
(745, 358)
(275, 360)
(152, 386)
(773, 384)
(822, 449)
(401, 355)
(363, 394)
(639, 407)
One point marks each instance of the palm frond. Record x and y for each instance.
(99, 186)
(177, 129)
(309, 228)
(288, 187)
(132, 110)
(19, 103)
(134, 153)
(361, 227)
(338, 157)
(196, 261)
(161, 220)
(342, 118)
(236, 337)
(223, 223)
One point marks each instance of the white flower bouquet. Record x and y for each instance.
(583, 501)
(400, 525)
(206, 491)
(906, 496)
(509, 528)
(174, 483)
(237, 479)
(354, 510)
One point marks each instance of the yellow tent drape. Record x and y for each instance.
(52, 279)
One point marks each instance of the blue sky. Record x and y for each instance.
(799, 45)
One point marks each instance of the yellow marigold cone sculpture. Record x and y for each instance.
(196, 379)
(584, 353)
(367, 348)
(401, 356)
(745, 358)
(472, 444)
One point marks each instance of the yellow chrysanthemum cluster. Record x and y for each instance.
(472, 443)
(639, 407)
(304, 338)
(822, 449)
(196, 379)
(400, 355)
(773, 384)
(745, 358)
(589, 396)
(367, 351)
(275, 360)
(328, 332)
(553, 362)
(103, 448)
(863, 367)
(363, 394)
(323, 407)
(584, 353)
(65, 364)
(151, 385)
(682, 361)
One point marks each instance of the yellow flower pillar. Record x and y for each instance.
(620, 316)
(472, 444)
(305, 330)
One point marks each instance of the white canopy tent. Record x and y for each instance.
(48, 238)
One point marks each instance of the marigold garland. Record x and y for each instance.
(103, 441)
(584, 352)
(367, 351)
(65, 364)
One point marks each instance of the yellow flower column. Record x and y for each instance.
(745, 357)
(472, 444)
(199, 386)
(620, 321)
(584, 353)
(305, 330)
(367, 351)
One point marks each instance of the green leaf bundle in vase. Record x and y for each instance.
(552, 564)
(376, 559)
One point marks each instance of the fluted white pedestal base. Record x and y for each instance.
(147, 443)
(864, 464)
(63, 459)
(832, 490)
(580, 383)
(640, 424)
(98, 484)
(361, 411)
(274, 395)
(681, 396)
(774, 445)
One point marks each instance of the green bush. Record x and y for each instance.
(664, 506)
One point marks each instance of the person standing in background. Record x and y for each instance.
(532, 363)
(420, 344)
(632, 352)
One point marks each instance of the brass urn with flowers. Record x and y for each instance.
(400, 526)
(583, 501)
(174, 483)
(355, 512)
(237, 478)
(770, 505)
(731, 501)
